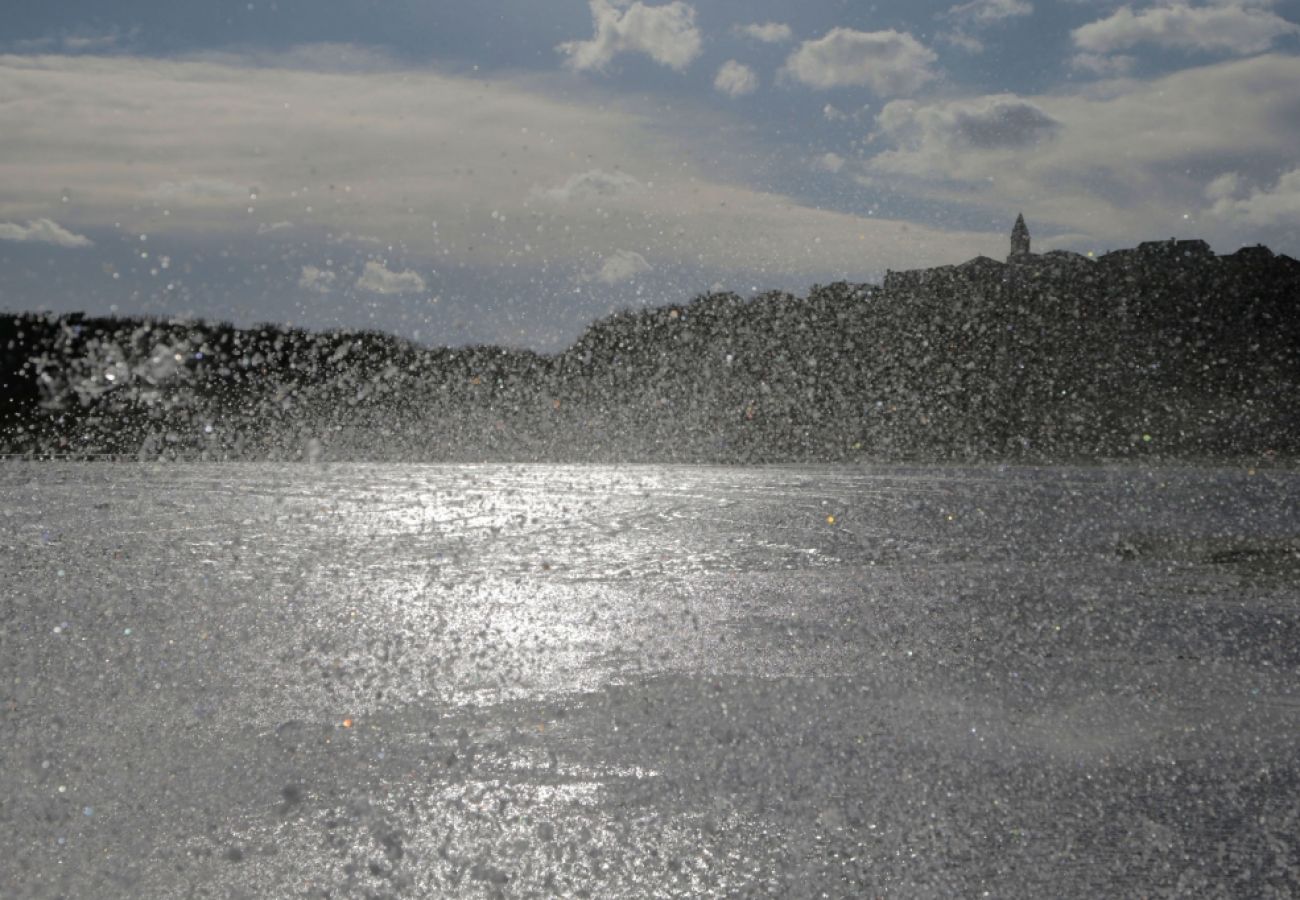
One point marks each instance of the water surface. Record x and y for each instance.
(386, 680)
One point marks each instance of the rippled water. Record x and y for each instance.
(279, 680)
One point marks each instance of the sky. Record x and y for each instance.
(505, 171)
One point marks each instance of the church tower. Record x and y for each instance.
(1019, 240)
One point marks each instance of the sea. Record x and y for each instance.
(353, 680)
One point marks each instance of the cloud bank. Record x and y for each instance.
(1119, 164)
(42, 231)
(466, 172)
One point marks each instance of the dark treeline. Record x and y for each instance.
(1171, 356)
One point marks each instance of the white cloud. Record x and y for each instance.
(767, 32)
(621, 265)
(667, 34)
(1238, 27)
(934, 138)
(319, 280)
(378, 279)
(1262, 207)
(735, 79)
(42, 231)
(595, 184)
(987, 11)
(890, 63)
(828, 162)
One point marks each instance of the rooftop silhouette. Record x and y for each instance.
(1165, 350)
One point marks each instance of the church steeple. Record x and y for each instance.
(1019, 239)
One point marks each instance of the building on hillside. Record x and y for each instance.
(1160, 255)
(1019, 241)
(1148, 260)
(1176, 249)
(981, 267)
(1256, 254)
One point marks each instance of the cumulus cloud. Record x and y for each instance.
(933, 133)
(767, 32)
(595, 184)
(42, 231)
(890, 63)
(1002, 122)
(1237, 27)
(621, 265)
(379, 279)
(315, 279)
(1234, 202)
(735, 79)
(667, 34)
(828, 162)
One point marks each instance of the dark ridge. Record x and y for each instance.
(1162, 352)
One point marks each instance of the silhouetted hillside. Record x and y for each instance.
(1165, 350)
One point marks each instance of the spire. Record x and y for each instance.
(1019, 239)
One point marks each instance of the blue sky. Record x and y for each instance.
(507, 170)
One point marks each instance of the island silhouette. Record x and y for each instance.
(1163, 351)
